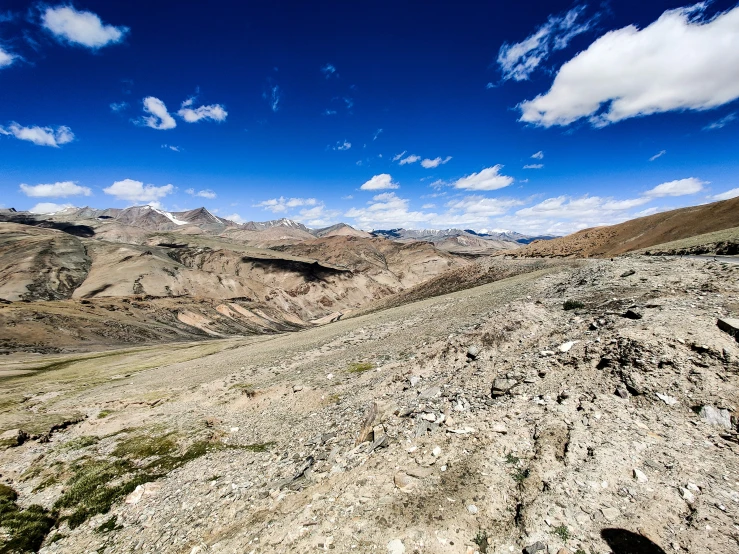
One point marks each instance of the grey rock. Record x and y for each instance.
(473, 352)
(716, 416)
(502, 386)
(730, 326)
(534, 548)
(633, 314)
(415, 380)
(628, 273)
(622, 391)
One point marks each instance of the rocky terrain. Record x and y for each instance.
(584, 406)
(641, 233)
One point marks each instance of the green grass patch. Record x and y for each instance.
(140, 446)
(109, 525)
(360, 367)
(573, 305)
(25, 529)
(482, 542)
(562, 532)
(104, 413)
(511, 459)
(520, 475)
(80, 442)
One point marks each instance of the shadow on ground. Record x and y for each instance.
(622, 541)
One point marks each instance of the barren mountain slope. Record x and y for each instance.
(500, 421)
(640, 233)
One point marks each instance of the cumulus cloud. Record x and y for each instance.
(387, 210)
(538, 156)
(680, 187)
(49, 208)
(721, 123)
(214, 112)
(436, 162)
(6, 58)
(680, 62)
(380, 182)
(409, 159)
(84, 28)
(236, 218)
(135, 191)
(487, 179)
(160, 118)
(42, 136)
(518, 61)
(55, 190)
(207, 193)
(733, 193)
(658, 155)
(533, 166)
(282, 204)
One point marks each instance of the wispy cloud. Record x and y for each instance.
(733, 193)
(377, 134)
(490, 85)
(398, 156)
(282, 204)
(207, 193)
(409, 159)
(172, 147)
(329, 112)
(41, 136)
(487, 179)
(538, 156)
(329, 71)
(214, 112)
(518, 61)
(343, 145)
(118, 106)
(273, 95)
(533, 166)
(658, 155)
(436, 162)
(721, 123)
(81, 27)
(380, 182)
(61, 189)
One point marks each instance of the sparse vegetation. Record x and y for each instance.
(25, 529)
(360, 367)
(511, 459)
(520, 475)
(104, 413)
(481, 540)
(245, 388)
(562, 532)
(109, 525)
(80, 442)
(573, 305)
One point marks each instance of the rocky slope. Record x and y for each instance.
(640, 233)
(490, 420)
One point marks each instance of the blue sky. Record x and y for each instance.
(547, 117)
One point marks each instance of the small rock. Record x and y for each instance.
(633, 314)
(415, 380)
(395, 546)
(640, 476)
(534, 548)
(611, 513)
(692, 487)
(716, 416)
(563, 551)
(545, 353)
(436, 452)
(622, 391)
(501, 386)
(472, 509)
(628, 273)
(499, 428)
(565, 347)
(429, 417)
(13, 437)
(405, 482)
(297, 388)
(432, 392)
(669, 400)
(688, 496)
(473, 352)
(730, 326)
(593, 326)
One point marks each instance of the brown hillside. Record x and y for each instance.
(603, 242)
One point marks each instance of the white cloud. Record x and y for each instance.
(135, 191)
(398, 156)
(329, 112)
(538, 156)
(409, 159)
(480, 205)
(42, 136)
(428, 206)
(721, 123)
(55, 190)
(679, 62)
(380, 182)
(487, 179)
(172, 147)
(273, 95)
(83, 28)
(207, 193)
(377, 134)
(236, 218)
(343, 145)
(6, 58)
(627, 204)
(49, 208)
(282, 204)
(658, 155)
(159, 118)
(387, 210)
(533, 166)
(118, 106)
(680, 187)
(489, 86)
(733, 193)
(214, 112)
(329, 71)
(518, 61)
(436, 162)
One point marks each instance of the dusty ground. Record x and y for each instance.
(577, 446)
